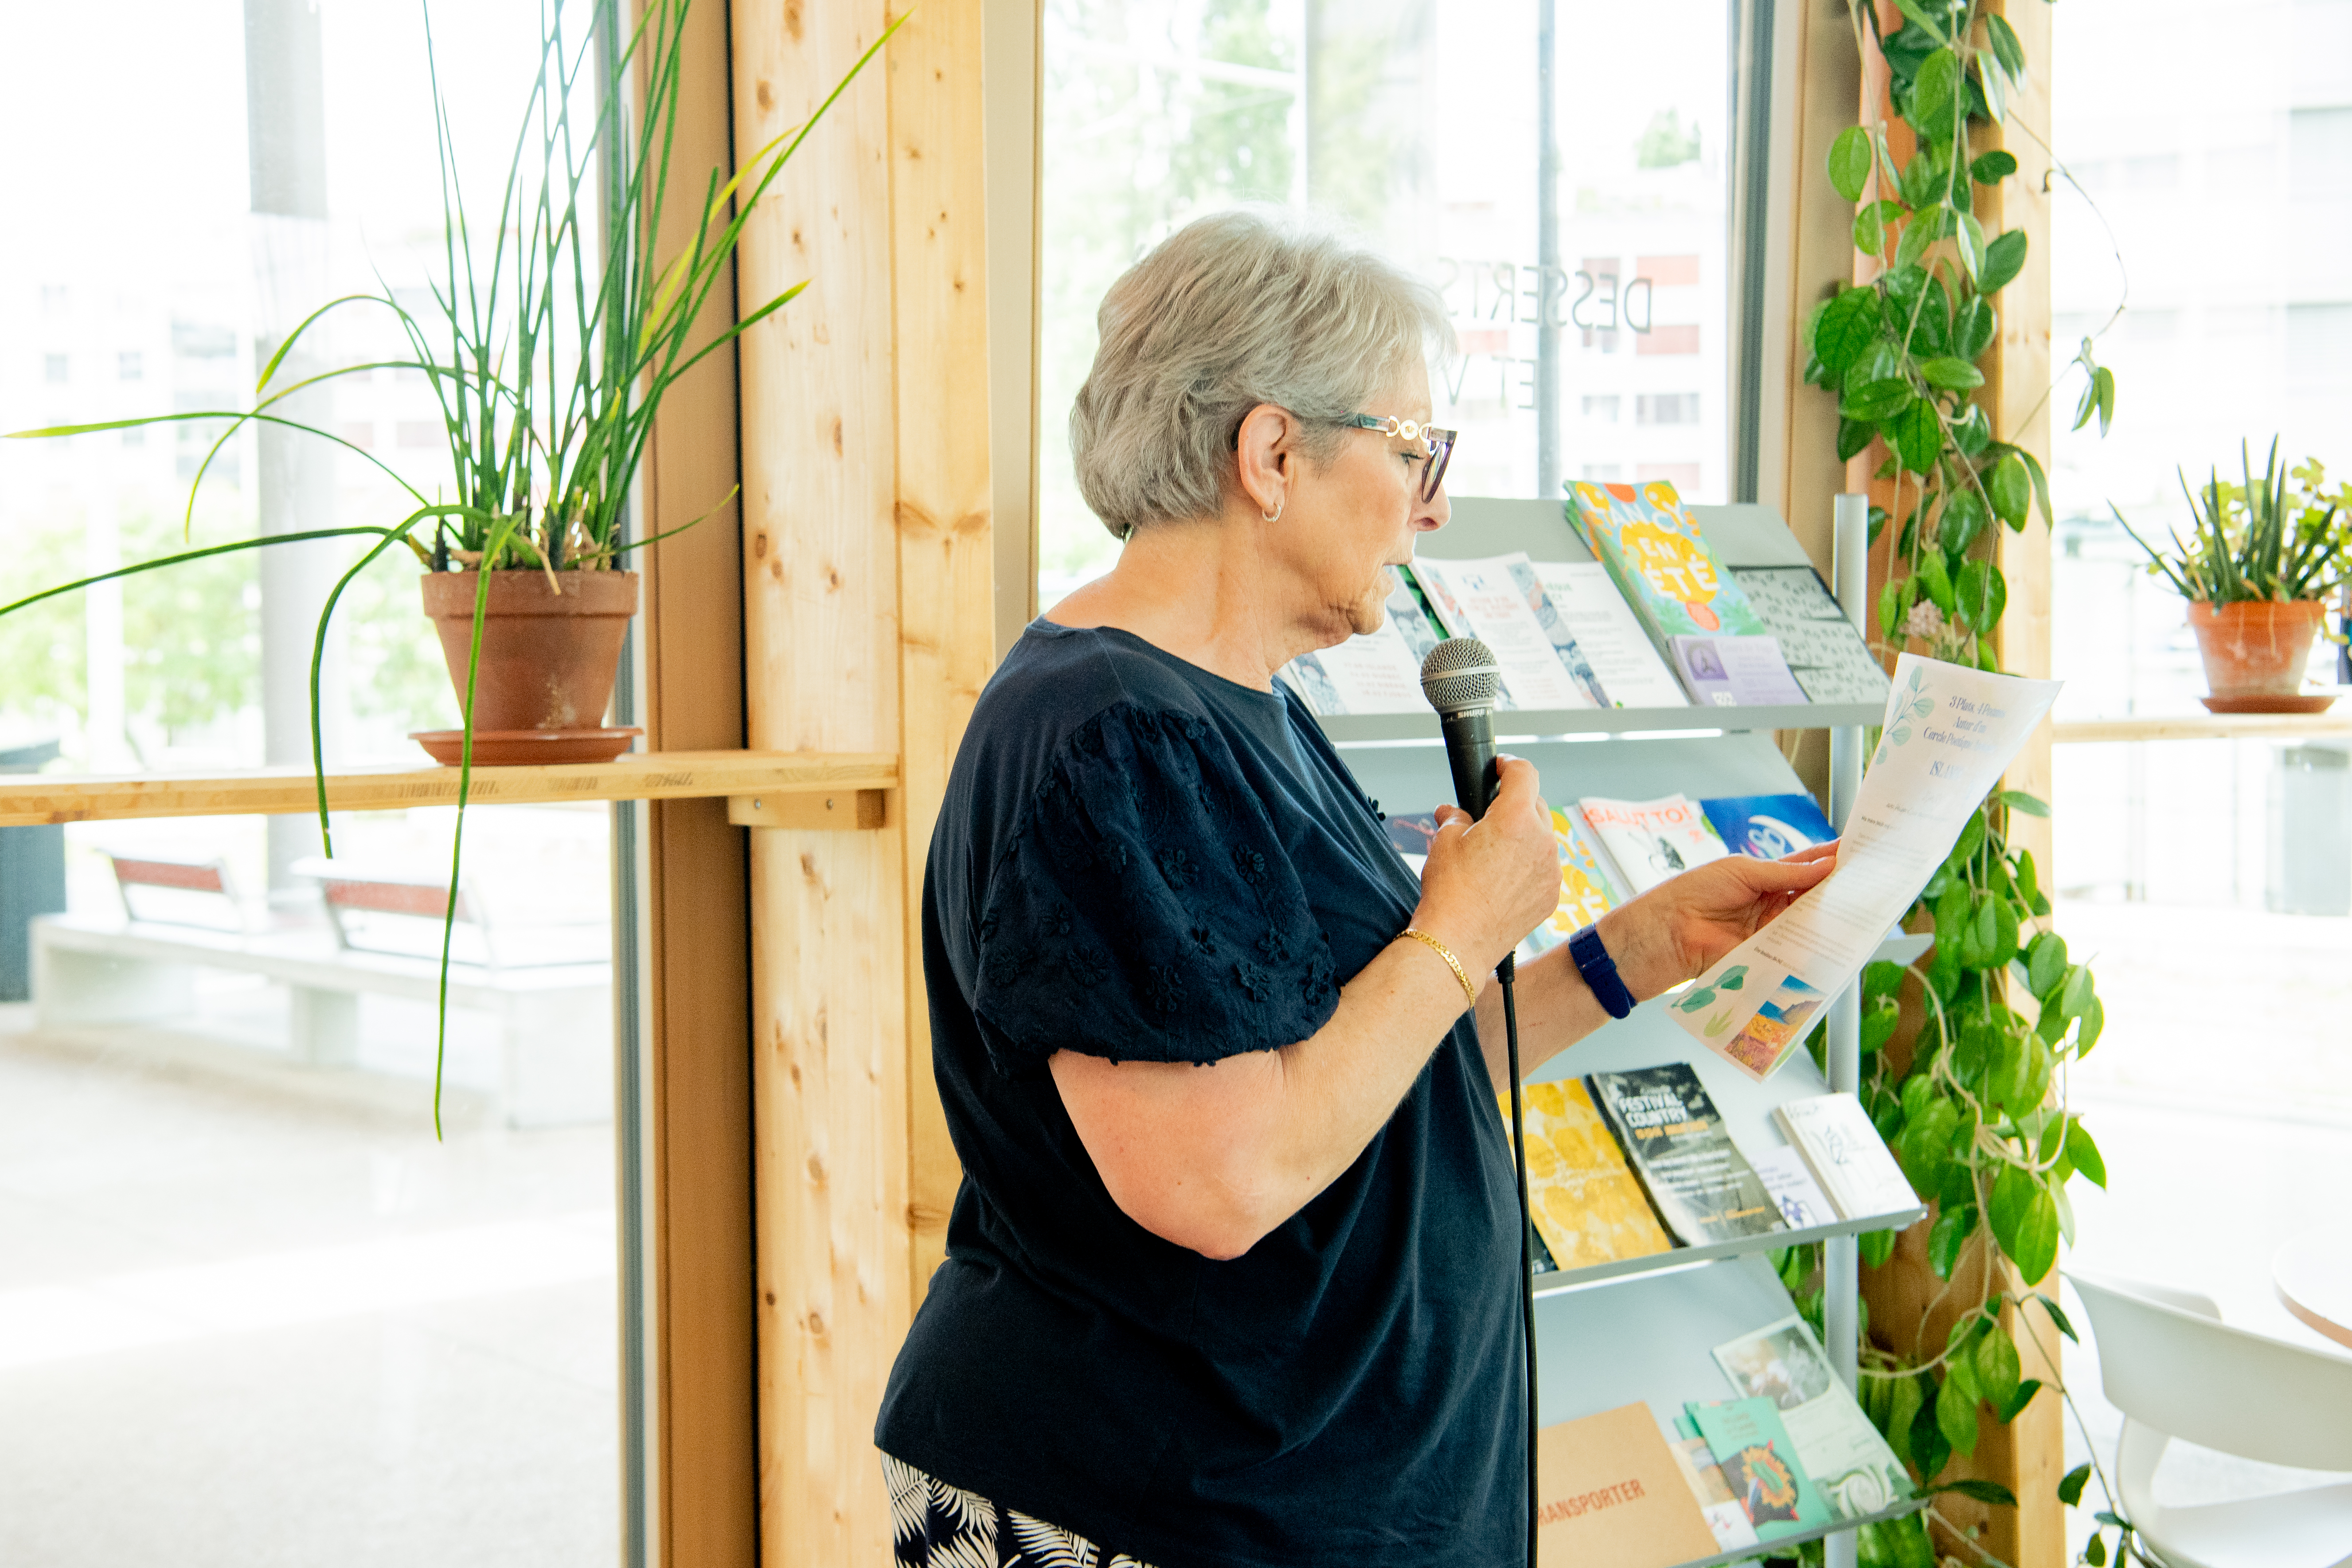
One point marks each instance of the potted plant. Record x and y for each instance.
(2255, 570)
(550, 351)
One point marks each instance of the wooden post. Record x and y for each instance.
(867, 620)
(703, 1440)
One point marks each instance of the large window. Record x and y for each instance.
(251, 1309)
(2206, 881)
(1597, 349)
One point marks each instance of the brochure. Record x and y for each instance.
(1651, 840)
(1767, 826)
(1662, 562)
(1378, 672)
(1609, 1490)
(1833, 1135)
(1498, 601)
(1824, 652)
(1622, 657)
(1949, 732)
(1705, 1478)
(1735, 673)
(1799, 1197)
(1760, 1465)
(1588, 887)
(1851, 1465)
(1585, 1203)
(1677, 1146)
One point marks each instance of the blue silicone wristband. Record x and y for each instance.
(1600, 972)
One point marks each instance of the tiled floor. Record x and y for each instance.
(252, 1315)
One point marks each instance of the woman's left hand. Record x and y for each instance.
(1679, 928)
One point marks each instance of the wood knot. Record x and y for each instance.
(792, 22)
(836, 435)
(814, 1322)
(772, 1297)
(767, 99)
(816, 1169)
(760, 545)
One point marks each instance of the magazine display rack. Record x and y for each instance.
(1641, 1328)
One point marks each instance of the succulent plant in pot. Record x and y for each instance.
(2256, 568)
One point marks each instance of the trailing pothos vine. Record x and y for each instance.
(1974, 1104)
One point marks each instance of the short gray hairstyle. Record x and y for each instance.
(1240, 308)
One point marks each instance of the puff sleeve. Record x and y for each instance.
(1145, 910)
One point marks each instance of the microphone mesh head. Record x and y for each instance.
(1460, 675)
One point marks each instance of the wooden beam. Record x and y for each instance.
(947, 614)
(702, 1416)
(838, 812)
(869, 620)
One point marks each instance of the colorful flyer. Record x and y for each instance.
(1851, 1463)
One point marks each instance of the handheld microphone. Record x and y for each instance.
(1461, 681)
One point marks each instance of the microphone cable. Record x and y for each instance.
(1506, 972)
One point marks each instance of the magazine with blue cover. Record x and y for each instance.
(1767, 827)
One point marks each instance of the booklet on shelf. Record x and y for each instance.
(1662, 562)
(1767, 826)
(1949, 731)
(1678, 1148)
(1589, 885)
(1798, 1196)
(1651, 840)
(1499, 601)
(1609, 1490)
(1849, 1464)
(1378, 672)
(1824, 652)
(1735, 673)
(1705, 1479)
(1833, 1135)
(1585, 1203)
(1615, 642)
(1762, 1467)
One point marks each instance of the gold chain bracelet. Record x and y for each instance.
(1451, 962)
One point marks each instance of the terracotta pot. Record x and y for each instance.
(2255, 649)
(548, 658)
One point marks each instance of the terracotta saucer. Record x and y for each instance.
(520, 748)
(2266, 704)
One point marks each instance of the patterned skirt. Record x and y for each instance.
(941, 1526)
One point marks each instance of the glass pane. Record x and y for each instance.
(1155, 115)
(2208, 881)
(252, 1309)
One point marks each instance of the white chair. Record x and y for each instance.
(2176, 1370)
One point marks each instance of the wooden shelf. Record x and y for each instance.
(2204, 727)
(638, 775)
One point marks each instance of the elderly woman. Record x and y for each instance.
(1232, 1277)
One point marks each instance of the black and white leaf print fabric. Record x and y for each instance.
(941, 1526)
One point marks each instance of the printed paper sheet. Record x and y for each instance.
(1949, 733)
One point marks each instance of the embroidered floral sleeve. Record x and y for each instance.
(1145, 910)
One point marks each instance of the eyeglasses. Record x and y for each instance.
(1440, 445)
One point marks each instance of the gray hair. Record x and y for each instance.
(1238, 308)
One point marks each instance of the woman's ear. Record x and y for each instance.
(1266, 449)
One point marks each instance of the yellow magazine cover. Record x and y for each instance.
(1586, 1205)
(1662, 562)
(1586, 889)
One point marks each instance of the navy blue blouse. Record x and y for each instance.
(1142, 861)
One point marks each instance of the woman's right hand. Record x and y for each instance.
(1490, 882)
